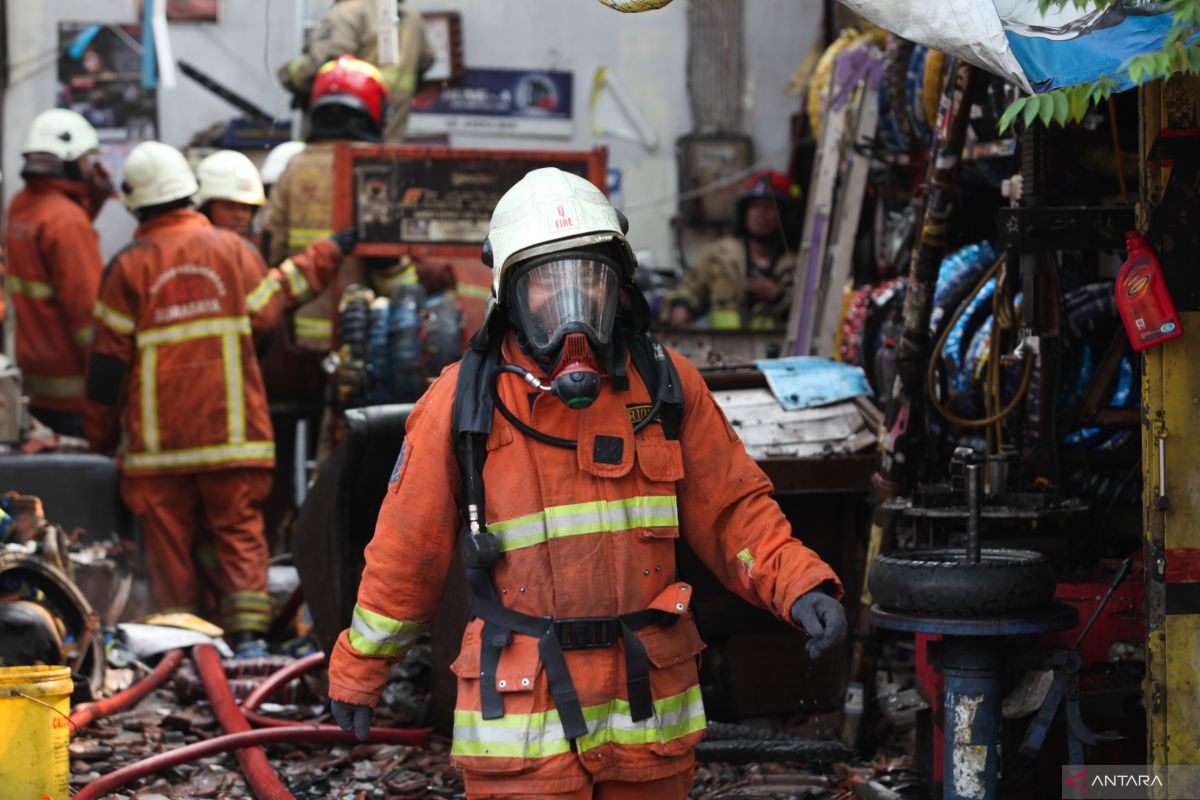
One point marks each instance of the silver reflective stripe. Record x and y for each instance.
(296, 281)
(261, 295)
(201, 456)
(540, 734)
(235, 398)
(654, 511)
(213, 326)
(149, 379)
(376, 635)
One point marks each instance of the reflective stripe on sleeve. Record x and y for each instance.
(374, 634)
(297, 283)
(33, 289)
(114, 320)
(258, 298)
(655, 511)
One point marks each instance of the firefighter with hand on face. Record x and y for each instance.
(173, 380)
(574, 450)
(745, 280)
(54, 263)
(230, 192)
(349, 29)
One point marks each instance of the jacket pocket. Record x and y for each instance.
(659, 466)
(514, 743)
(674, 651)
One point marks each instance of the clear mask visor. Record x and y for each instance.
(566, 295)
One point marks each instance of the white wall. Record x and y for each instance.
(646, 51)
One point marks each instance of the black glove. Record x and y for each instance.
(823, 618)
(345, 239)
(350, 717)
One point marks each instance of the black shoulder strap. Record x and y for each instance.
(658, 372)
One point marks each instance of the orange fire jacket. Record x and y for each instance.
(584, 532)
(54, 268)
(174, 367)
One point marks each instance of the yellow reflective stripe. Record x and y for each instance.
(198, 329)
(61, 387)
(113, 319)
(247, 600)
(246, 621)
(654, 511)
(746, 557)
(397, 80)
(762, 322)
(314, 327)
(471, 290)
(726, 320)
(34, 289)
(302, 237)
(149, 378)
(235, 401)
(258, 298)
(297, 283)
(540, 735)
(84, 336)
(374, 634)
(202, 456)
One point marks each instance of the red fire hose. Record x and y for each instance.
(233, 741)
(280, 678)
(87, 714)
(264, 781)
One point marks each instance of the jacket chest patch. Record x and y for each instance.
(608, 450)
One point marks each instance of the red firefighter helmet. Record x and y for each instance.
(767, 183)
(350, 82)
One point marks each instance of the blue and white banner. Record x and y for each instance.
(1012, 38)
(497, 101)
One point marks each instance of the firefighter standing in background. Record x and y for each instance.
(745, 280)
(174, 380)
(349, 29)
(54, 263)
(571, 501)
(230, 193)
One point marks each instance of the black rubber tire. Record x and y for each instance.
(940, 582)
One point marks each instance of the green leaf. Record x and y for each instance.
(1062, 107)
(1031, 109)
(1046, 108)
(1079, 102)
(1010, 113)
(1136, 72)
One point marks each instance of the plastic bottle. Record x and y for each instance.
(404, 343)
(1142, 297)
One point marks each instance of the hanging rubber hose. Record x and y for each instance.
(182, 755)
(260, 775)
(280, 678)
(87, 714)
(931, 373)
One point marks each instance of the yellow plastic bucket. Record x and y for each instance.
(34, 733)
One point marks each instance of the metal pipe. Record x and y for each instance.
(971, 709)
(89, 713)
(971, 472)
(260, 775)
(106, 784)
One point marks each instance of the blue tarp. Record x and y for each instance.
(808, 381)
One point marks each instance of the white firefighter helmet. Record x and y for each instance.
(154, 174)
(277, 160)
(62, 133)
(228, 175)
(547, 211)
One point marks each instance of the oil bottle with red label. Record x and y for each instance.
(1142, 297)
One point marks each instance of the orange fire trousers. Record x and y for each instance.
(174, 507)
(672, 787)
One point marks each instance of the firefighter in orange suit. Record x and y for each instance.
(574, 450)
(54, 263)
(173, 378)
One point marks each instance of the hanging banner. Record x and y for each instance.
(497, 101)
(1013, 39)
(100, 76)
